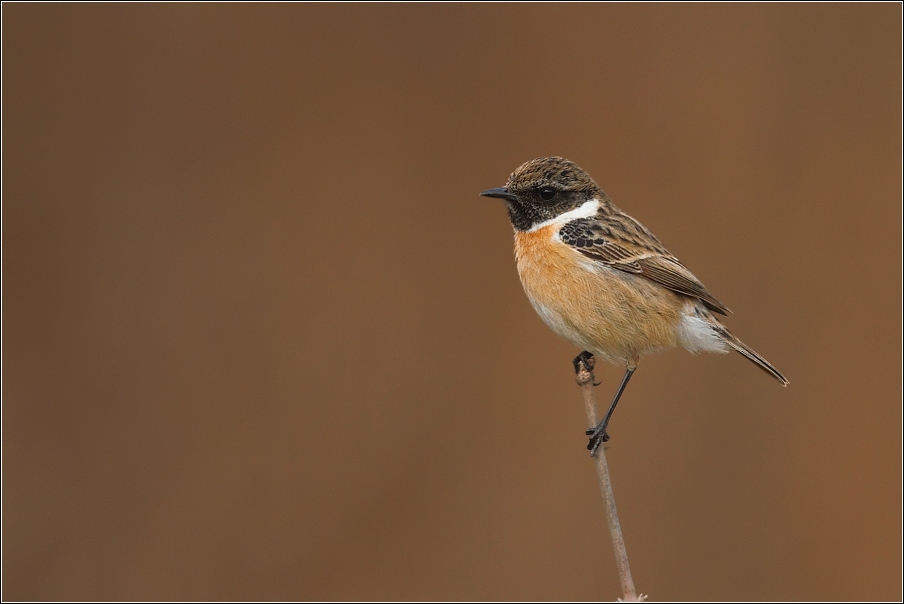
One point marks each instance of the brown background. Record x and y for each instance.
(262, 339)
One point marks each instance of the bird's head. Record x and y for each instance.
(544, 188)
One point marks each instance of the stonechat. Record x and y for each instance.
(602, 281)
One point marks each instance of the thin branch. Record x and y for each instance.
(585, 381)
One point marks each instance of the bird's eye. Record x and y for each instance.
(547, 193)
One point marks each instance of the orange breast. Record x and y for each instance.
(614, 315)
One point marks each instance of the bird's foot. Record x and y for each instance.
(598, 436)
(583, 368)
(584, 361)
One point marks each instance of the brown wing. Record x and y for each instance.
(636, 251)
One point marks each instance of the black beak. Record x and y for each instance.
(501, 193)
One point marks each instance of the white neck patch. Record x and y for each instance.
(586, 210)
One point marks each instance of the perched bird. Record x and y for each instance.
(602, 281)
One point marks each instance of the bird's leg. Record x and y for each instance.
(598, 435)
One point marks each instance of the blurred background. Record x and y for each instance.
(262, 339)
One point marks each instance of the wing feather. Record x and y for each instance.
(637, 254)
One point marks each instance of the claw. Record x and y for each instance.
(594, 444)
(583, 368)
(584, 361)
(598, 436)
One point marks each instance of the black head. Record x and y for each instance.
(543, 188)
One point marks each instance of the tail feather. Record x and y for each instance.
(726, 336)
(753, 356)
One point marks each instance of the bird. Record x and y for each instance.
(603, 281)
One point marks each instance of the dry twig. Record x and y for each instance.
(585, 381)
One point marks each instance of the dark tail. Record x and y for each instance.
(760, 361)
(752, 355)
